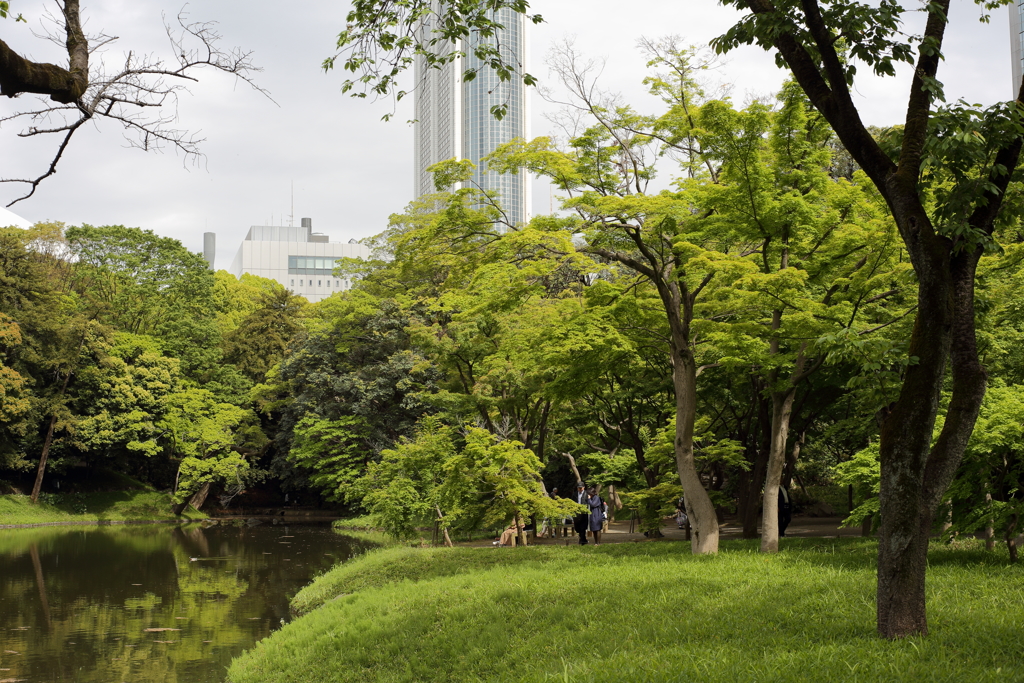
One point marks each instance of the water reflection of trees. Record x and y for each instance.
(68, 603)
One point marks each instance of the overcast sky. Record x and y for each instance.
(350, 169)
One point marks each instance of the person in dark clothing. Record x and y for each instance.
(785, 510)
(581, 521)
(596, 516)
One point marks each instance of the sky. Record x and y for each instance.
(349, 169)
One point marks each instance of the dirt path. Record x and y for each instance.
(618, 532)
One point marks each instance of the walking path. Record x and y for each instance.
(618, 532)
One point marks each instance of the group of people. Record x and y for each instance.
(595, 516)
(592, 520)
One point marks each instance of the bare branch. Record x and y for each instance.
(141, 95)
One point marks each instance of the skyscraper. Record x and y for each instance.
(1016, 43)
(454, 120)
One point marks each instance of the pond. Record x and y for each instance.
(153, 603)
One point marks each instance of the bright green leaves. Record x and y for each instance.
(448, 173)
(5, 9)
(121, 400)
(334, 451)
(987, 490)
(460, 481)
(961, 167)
(383, 38)
(209, 437)
(15, 402)
(862, 472)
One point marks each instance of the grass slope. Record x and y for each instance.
(640, 612)
(89, 507)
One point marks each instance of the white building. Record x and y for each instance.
(9, 219)
(1016, 43)
(454, 120)
(298, 258)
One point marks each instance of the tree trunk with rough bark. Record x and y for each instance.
(782, 410)
(41, 469)
(698, 503)
(19, 75)
(198, 499)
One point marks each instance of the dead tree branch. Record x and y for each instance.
(140, 94)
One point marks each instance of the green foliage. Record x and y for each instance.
(382, 39)
(863, 473)
(356, 380)
(5, 9)
(260, 340)
(987, 490)
(209, 438)
(458, 482)
(333, 451)
(15, 402)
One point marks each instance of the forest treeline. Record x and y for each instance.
(723, 295)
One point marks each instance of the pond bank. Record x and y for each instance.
(122, 507)
(640, 611)
(116, 507)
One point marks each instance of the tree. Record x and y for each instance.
(141, 283)
(944, 178)
(211, 440)
(15, 402)
(262, 337)
(827, 259)
(352, 388)
(456, 480)
(139, 94)
(986, 494)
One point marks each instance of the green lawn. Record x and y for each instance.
(89, 507)
(641, 612)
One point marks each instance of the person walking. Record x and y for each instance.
(581, 521)
(596, 516)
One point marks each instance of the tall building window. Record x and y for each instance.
(319, 283)
(293, 283)
(300, 283)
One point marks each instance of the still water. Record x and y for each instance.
(149, 604)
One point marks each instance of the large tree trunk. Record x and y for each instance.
(782, 410)
(915, 475)
(698, 503)
(199, 498)
(758, 443)
(750, 512)
(38, 485)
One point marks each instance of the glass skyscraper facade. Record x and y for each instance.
(1016, 43)
(454, 120)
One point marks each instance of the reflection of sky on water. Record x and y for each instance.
(75, 603)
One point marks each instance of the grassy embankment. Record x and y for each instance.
(118, 506)
(641, 612)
